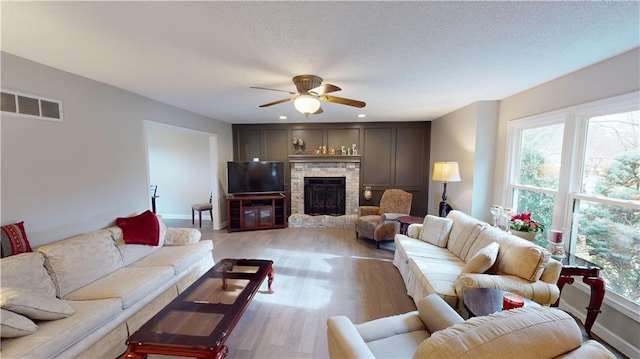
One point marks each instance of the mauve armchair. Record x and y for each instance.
(380, 223)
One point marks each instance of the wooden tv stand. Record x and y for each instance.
(259, 211)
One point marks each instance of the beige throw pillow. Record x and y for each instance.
(482, 260)
(34, 305)
(13, 325)
(435, 230)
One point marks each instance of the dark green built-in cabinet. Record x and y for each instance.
(393, 154)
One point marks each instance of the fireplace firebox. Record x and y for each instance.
(324, 196)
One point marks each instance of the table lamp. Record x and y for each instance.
(445, 172)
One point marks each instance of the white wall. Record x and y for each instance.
(179, 165)
(76, 176)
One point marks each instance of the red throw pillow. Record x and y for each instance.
(140, 229)
(13, 240)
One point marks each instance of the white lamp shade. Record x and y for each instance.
(446, 172)
(306, 104)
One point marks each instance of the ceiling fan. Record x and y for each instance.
(310, 92)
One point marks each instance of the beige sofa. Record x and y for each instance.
(112, 288)
(435, 330)
(448, 256)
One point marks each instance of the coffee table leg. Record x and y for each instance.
(222, 353)
(132, 355)
(271, 274)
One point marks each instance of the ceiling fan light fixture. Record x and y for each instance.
(306, 104)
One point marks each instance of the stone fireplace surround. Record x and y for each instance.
(324, 166)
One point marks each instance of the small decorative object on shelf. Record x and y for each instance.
(523, 226)
(367, 193)
(556, 244)
(496, 211)
(506, 215)
(298, 146)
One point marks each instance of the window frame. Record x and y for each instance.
(575, 120)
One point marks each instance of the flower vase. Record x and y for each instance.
(526, 235)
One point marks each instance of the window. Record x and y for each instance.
(579, 169)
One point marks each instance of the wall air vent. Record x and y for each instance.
(31, 106)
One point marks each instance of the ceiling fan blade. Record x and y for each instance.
(326, 88)
(342, 101)
(318, 112)
(270, 89)
(275, 102)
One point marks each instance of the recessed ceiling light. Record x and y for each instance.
(362, 115)
(282, 117)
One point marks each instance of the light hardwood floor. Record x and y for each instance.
(319, 273)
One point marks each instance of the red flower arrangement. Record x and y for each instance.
(523, 222)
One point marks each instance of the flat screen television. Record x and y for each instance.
(246, 177)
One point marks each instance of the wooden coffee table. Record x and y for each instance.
(198, 322)
(484, 301)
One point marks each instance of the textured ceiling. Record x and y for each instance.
(409, 61)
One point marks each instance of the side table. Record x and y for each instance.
(405, 221)
(590, 276)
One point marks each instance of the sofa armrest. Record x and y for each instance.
(436, 314)
(181, 236)
(344, 339)
(392, 216)
(588, 349)
(551, 272)
(368, 210)
(414, 230)
(538, 291)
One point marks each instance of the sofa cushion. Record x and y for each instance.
(72, 262)
(182, 236)
(435, 276)
(398, 346)
(482, 260)
(519, 257)
(13, 325)
(130, 284)
(464, 232)
(516, 333)
(54, 336)
(133, 252)
(26, 271)
(13, 240)
(34, 305)
(435, 230)
(178, 257)
(140, 229)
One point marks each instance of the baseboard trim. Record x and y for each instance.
(603, 333)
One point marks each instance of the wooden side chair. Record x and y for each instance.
(202, 207)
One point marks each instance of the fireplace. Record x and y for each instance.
(324, 195)
(347, 167)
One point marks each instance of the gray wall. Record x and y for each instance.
(393, 154)
(466, 136)
(67, 178)
(452, 141)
